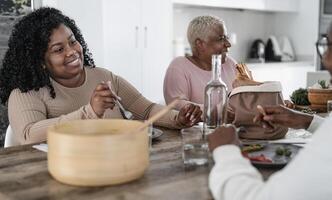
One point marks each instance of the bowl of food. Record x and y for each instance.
(319, 96)
(97, 152)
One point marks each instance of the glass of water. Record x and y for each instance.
(329, 107)
(195, 149)
(150, 134)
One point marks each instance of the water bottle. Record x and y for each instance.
(215, 99)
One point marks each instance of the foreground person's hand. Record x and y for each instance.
(289, 104)
(102, 98)
(222, 136)
(280, 115)
(189, 115)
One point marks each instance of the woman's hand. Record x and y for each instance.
(280, 115)
(289, 104)
(243, 77)
(102, 98)
(189, 115)
(222, 136)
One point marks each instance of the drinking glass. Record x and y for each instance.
(195, 150)
(329, 107)
(150, 134)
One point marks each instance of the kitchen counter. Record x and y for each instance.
(291, 75)
(281, 64)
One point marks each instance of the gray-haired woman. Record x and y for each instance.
(186, 77)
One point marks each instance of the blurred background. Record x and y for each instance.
(137, 39)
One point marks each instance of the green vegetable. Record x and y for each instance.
(281, 151)
(253, 147)
(288, 152)
(323, 84)
(300, 97)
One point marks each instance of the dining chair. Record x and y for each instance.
(9, 139)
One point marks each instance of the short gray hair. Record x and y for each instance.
(200, 27)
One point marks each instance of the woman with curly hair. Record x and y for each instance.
(48, 77)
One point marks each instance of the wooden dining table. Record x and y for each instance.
(24, 175)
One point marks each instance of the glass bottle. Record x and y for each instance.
(215, 99)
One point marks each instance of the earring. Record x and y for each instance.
(44, 67)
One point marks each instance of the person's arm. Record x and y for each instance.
(234, 178)
(315, 123)
(28, 116)
(232, 175)
(176, 85)
(188, 116)
(280, 115)
(143, 109)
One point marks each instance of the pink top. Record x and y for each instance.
(186, 80)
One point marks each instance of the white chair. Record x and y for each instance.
(9, 139)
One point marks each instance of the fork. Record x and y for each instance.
(125, 113)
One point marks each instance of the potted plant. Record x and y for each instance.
(319, 94)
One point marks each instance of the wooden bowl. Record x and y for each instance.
(97, 152)
(319, 96)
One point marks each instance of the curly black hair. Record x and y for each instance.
(22, 65)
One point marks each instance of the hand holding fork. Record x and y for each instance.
(103, 98)
(125, 113)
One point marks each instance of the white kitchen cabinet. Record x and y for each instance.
(253, 4)
(131, 38)
(261, 5)
(122, 41)
(282, 5)
(239, 4)
(157, 50)
(291, 75)
(137, 42)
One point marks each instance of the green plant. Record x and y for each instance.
(323, 84)
(300, 97)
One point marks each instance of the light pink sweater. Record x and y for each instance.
(186, 80)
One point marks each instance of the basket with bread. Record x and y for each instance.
(243, 100)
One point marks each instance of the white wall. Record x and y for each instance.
(248, 26)
(301, 27)
(88, 17)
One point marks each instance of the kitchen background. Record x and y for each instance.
(137, 39)
(248, 25)
(10, 12)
